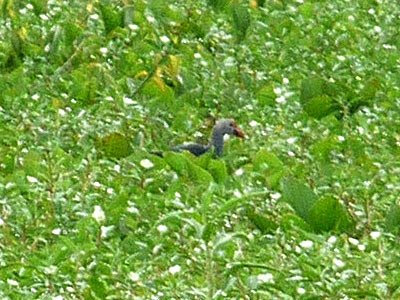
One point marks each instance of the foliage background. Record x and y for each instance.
(306, 207)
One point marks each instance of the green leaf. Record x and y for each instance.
(299, 196)
(266, 96)
(199, 175)
(319, 106)
(177, 162)
(112, 18)
(392, 221)
(262, 222)
(291, 222)
(241, 20)
(328, 214)
(115, 145)
(270, 166)
(218, 170)
(218, 4)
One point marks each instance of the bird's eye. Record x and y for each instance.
(232, 124)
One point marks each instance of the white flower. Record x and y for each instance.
(341, 58)
(98, 214)
(253, 123)
(174, 269)
(285, 80)
(105, 230)
(29, 6)
(277, 91)
(94, 17)
(97, 184)
(50, 270)
(265, 278)
(377, 29)
(353, 241)
(59, 297)
(332, 239)
(103, 50)
(280, 99)
(306, 244)
(147, 164)
(338, 263)
(32, 179)
(110, 191)
(62, 112)
(375, 235)
(117, 168)
(340, 138)
(291, 140)
(128, 101)
(301, 291)
(237, 193)
(164, 39)
(361, 247)
(351, 18)
(371, 11)
(276, 196)
(197, 55)
(35, 97)
(178, 195)
(133, 27)
(12, 282)
(44, 17)
(56, 231)
(162, 228)
(134, 276)
(150, 19)
(239, 172)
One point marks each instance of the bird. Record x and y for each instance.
(221, 128)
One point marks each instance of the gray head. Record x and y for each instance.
(222, 127)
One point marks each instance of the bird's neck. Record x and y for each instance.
(217, 141)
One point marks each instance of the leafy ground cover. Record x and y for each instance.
(305, 208)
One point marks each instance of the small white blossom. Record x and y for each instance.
(12, 282)
(97, 184)
(253, 123)
(341, 138)
(103, 50)
(178, 195)
(29, 6)
(44, 17)
(56, 231)
(341, 58)
(353, 241)
(132, 210)
(117, 168)
(162, 228)
(239, 172)
(94, 17)
(332, 239)
(105, 230)
(98, 214)
(110, 191)
(197, 55)
(338, 263)
(134, 276)
(280, 99)
(291, 153)
(237, 193)
(62, 112)
(150, 19)
(164, 39)
(59, 297)
(377, 29)
(23, 11)
(146, 163)
(128, 101)
(32, 179)
(301, 291)
(371, 11)
(35, 97)
(276, 196)
(265, 278)
(306, 244)
(133, 27)
(351, 18)
(277, 91)
(361, 247)
(291, 140)
(174, 269)
(375, 235)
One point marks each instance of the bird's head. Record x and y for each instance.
(228, 126)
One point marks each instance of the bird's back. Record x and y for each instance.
(195, 149)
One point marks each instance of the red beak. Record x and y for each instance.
(238, 132)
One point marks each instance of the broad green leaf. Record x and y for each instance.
(291, 222)
(299, 196)
(328, 214)
(392, 220)
(112, 18)
(115, 145)
(262, 222)
(241, 20)
(319, 106)
(266, 96)
(177, 162)
(270, 166)
(217, 169)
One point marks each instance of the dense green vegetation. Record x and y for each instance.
(306, 207)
